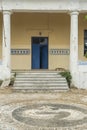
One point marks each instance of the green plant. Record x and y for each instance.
(12, 79)
(1, 82)
(85, 17)
(15, 74)
(68, 76)
(86, 54)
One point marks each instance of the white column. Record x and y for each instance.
(6, 39)
(74, 43)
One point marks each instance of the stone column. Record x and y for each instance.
(74, 44)
(6, 56)
(6, 39)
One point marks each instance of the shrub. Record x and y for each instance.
(1, 82)
(68, 76)
(12, 79)
(86, 54)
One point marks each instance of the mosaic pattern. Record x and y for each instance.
(59, 51)
(20, 51)
(49, 115)
(43, 116)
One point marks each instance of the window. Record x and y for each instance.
(85, 42)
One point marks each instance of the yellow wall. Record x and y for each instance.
(82, 27)
(0, 36)
(59, 38)
(54, 26)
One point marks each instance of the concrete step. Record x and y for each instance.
(41, 88)
(37, 90)
(37, 83)
(34, 71)
(39, 76)
(25, 73)
(37, 73)
(33, 85)
(40, 81)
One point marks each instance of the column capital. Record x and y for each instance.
(9, 12)
(74, 12)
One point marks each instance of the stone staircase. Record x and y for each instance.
(35, 81)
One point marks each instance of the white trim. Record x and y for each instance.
(44, 5)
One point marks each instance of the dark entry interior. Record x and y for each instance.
(39, 53)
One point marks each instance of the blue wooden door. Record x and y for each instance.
(39, 53)
(35, 56)
(44, 56)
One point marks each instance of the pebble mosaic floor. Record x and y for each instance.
(60, 111)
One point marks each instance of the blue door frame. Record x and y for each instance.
(39, 52)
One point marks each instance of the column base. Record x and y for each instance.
(79, 80)
(5, 73)
(75, 79)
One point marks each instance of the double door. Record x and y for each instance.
(39, 53)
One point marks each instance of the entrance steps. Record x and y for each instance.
(35, 81)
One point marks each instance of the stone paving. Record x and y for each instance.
(43, 111)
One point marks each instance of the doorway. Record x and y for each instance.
(39, 52)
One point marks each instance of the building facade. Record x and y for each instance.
(44, 34)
